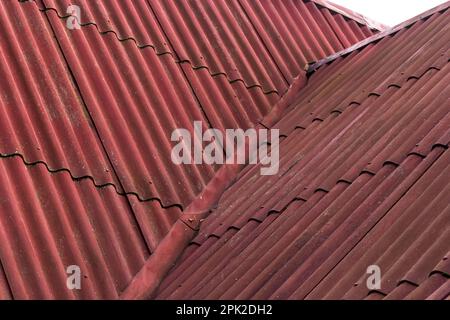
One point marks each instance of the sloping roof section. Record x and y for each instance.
(85, 144)
(59, 223)
(125, 87)
(255, 42)
(136, 99)
(300, 32)
(56, 130)
(364, 180)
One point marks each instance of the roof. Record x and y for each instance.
(85, 140)
(352, 15)
(364, 180)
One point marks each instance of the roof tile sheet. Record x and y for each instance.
(44, 120)
(253, 42)
(136, 100)
(363, 180)
(43, 234)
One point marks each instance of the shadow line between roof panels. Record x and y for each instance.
(99, 186)
(172, 54)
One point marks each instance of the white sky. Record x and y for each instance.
(390, 12)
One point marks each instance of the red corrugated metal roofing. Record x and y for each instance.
(59, 223)
(88, 118)
(136, 99)
(364, 179)
(256, 43)
(56, 130)
(135, 134)
(299, 32)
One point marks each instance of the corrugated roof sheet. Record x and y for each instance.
(364, 180)
(85, 139)
(42, 234)
(139, 153)
(56, 130)
(253, 42)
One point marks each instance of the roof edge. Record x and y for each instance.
(314, 66)
(358, 17)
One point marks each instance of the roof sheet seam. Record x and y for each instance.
(264, 44)
(394, 203)
(172, 54)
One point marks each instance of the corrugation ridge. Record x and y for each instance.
(172, 54)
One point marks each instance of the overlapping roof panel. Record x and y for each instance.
(85, 143)
(364, 180)
(136, 99)
(43, 115)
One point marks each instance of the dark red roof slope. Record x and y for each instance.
(87, 118)
(364, 180)
(255, 42)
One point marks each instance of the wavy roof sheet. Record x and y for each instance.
(84, 140)
(253, 42)
(364, 180)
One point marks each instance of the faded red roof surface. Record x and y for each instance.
(85, 138)
(364, 180)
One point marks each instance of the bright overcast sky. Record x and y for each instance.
(390, 12)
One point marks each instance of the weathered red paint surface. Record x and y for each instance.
(87, 117)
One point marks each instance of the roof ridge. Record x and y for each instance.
(172, 54)
(404, 25)
(353, 15)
